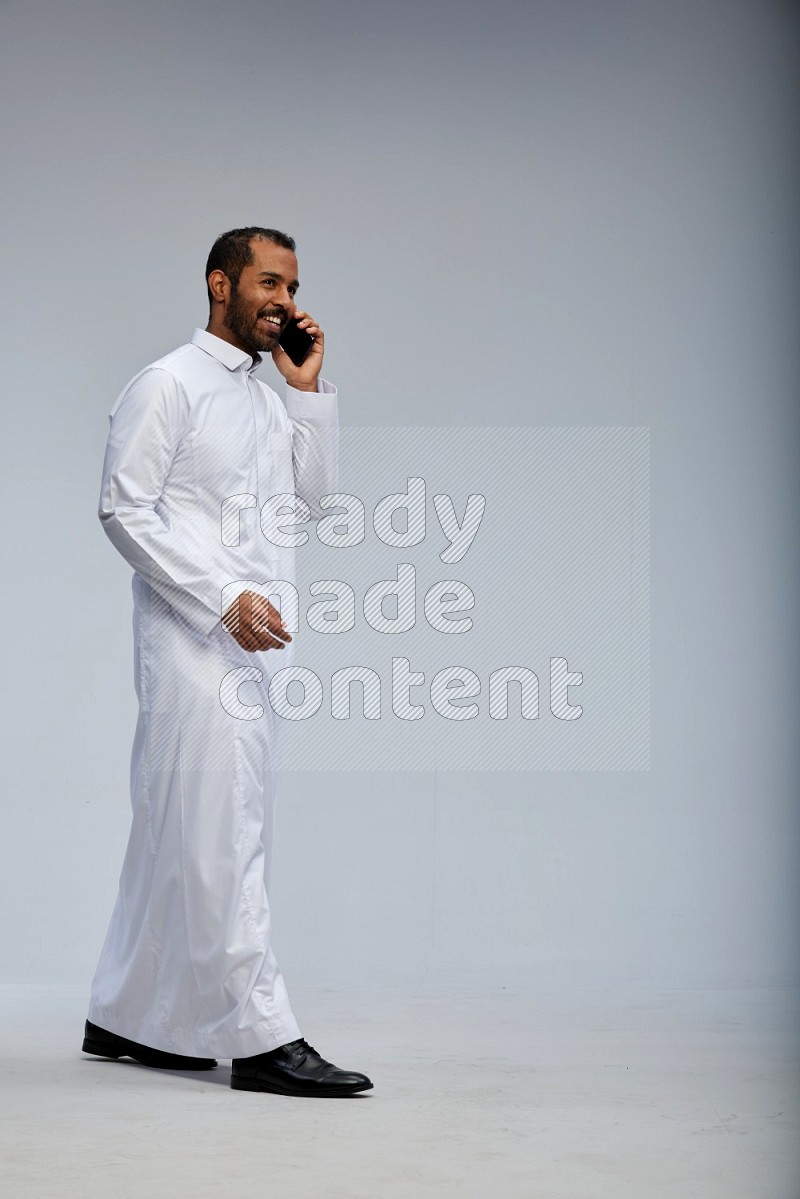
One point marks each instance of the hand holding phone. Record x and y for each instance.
(296, 342)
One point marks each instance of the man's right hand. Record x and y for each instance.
(255, 623)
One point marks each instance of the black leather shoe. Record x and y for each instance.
(295, 1069)
(108, 1044)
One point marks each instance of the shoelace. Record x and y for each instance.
(301, 1042)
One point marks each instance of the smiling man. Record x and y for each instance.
(187, 973)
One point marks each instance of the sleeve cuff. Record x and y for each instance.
(322, 403)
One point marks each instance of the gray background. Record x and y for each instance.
(559, 568)
(530, 214)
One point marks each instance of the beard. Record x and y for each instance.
(244, 323)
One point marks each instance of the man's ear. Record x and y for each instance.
(220, 287)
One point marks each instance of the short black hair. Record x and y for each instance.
(231, 252)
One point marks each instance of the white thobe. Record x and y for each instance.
(187, 964)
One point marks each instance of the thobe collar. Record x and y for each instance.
(224, 352)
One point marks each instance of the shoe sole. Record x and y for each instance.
(99, 1049)
(275, 1088)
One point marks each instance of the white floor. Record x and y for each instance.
(591, 1095)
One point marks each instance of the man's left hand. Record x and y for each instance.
(303, 377)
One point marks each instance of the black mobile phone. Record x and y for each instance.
(296, 342)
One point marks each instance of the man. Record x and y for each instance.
(197, 445)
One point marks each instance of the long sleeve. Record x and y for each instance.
(315, 442)
(146, 452)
